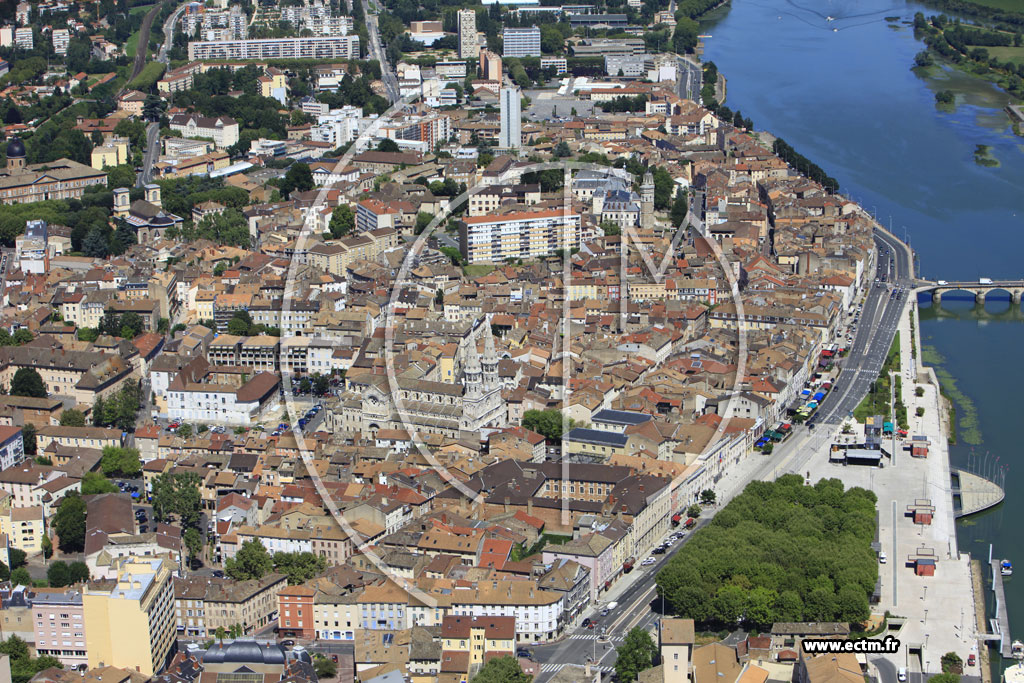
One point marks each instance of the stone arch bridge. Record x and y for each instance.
(980, 290)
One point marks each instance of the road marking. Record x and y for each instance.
(552, 668)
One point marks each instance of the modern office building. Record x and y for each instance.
(522, 42)
(511, 135)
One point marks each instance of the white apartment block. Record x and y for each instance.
(338, 127)
(492, 239)
(317, 47)
(469, 47)
(23, 38)
(60, 38)
(521, 42)
(221, 403)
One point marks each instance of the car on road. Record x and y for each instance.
(287, 643)
(901, 673)
(586, 623)
(604, 612)
(523, 652)
(659, 550)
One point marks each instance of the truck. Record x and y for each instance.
(984, 281)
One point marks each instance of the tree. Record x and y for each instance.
(194, 542)
(299, 567)
(342, 221)
(17, 558)
(28, 434)
(72, 418)
(684, 39)
(680, 207)
(95, 244)
(388, 145)
(298, 178)
(610, 228)
(221, 633)
(78, 571)
(47, 547)
(561, 150)
(121, 462)
(252, 561)
(693, 511)
(94, 483)
(27, 382)
(5, 572)
(131, 325)
(152, 107)
(69, 523)
(944, 678)
(185, 431)
(636, 654)
(57, 574)
(708, 497)
(952, 664)
(21, 337)
(23, 666)
(21, 577)
(240, 323)
(324, 667)
(501, 670)
(178, 494)
(548, 423)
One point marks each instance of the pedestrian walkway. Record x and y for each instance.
(553, 668)
(593, 636)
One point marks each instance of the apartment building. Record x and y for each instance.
(12, 446)
(521, 42)
(58, 620)
(467, 643)
(203, 604)
(24, 528)
(222, 129)
(314, 47)
(296, 612)
(537, 612)
(77, 437)
(129, 623)
(210, 402)
(469, 46)
(490, 239)
(60, 39)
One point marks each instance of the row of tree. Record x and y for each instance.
(252, 561)
(780, 551)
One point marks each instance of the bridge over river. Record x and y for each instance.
(980, 288)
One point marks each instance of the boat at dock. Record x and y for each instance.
(1017, 651)
(1006, 569)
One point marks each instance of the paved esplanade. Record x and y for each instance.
(976, 493)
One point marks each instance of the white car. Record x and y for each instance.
(882, 558)
(648, 562)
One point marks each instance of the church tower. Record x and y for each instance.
(472, 372)
(647, 202)
(122, 202)
(490, 361)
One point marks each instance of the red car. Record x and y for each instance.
(971, 659)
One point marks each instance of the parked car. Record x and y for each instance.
(971, 660)
(901, 673)
(882, 557)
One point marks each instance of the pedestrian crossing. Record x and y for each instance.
(594, 636)
(553, 668)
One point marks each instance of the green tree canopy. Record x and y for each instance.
(95, 482)
(178, 494)
(72, 418)
(636, 654)
(252, 561)
(548, 423)
(120, 462)
(69, 523)
(28, 382)
(342, 221)
(502, 670)
(299, 567)
(780, 551)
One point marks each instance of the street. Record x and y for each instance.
(639, 605)
(152, 153)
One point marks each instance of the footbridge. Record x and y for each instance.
(979, 288)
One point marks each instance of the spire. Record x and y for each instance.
(490, 355)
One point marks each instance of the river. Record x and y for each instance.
(842, 93)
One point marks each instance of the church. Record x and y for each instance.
(472, 404)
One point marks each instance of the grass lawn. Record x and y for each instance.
(1009, 5)
(477, 270)
(133, 42)
(140, 9)
(1005, 54)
